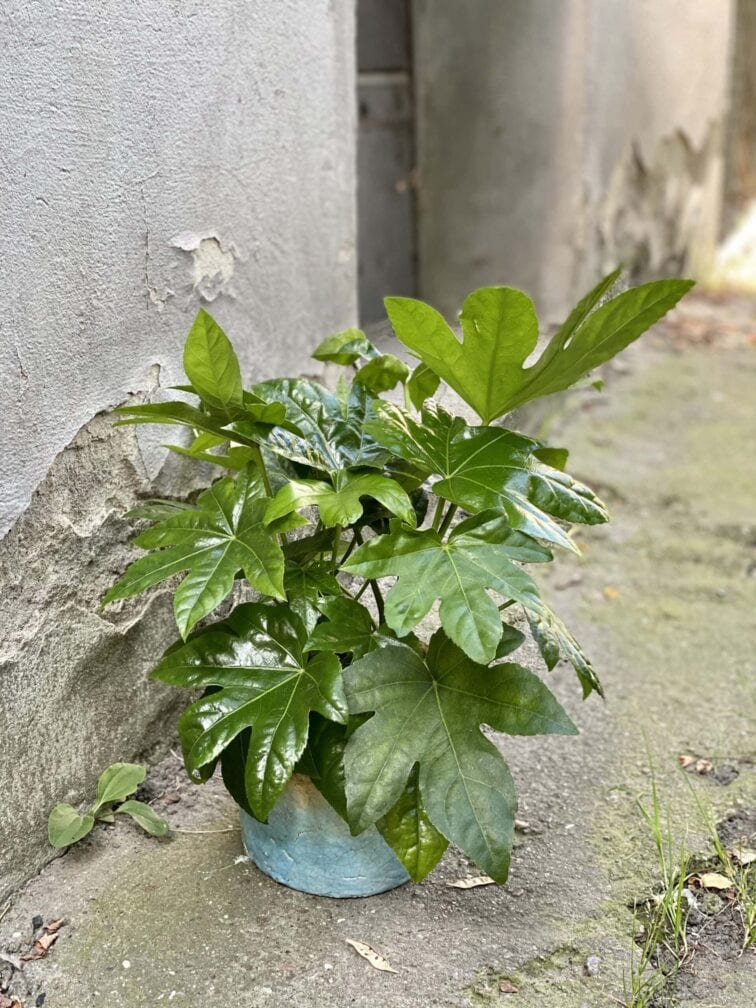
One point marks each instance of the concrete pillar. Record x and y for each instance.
(557, 138)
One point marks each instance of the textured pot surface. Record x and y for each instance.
(307, 846)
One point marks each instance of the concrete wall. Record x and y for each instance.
(559, 137)
(385, 155)
(740, 177)
(155, 156)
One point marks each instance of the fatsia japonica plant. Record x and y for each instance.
(343, 518)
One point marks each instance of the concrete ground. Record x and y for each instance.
(663, 599)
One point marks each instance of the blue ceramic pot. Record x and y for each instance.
(307, 846)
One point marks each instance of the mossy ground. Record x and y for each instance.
(663, 599)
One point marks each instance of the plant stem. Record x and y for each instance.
(506, 605)
(335, 550)
(443, 527)
(259, 461)
(437, 513)
(373, 583)
(348, 552)
(378, 600)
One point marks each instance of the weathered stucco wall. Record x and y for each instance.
(156, 156)
(559, 137)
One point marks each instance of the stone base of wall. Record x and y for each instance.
(75, 695)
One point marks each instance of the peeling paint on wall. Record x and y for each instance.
(658, 216)
(213, 262)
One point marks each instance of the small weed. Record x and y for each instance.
(66, 826)
(669, 926)
(661, 948)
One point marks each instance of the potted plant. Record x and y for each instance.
(350, 741)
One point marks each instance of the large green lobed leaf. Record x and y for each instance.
(257, 677)
(224, 534)
(428, 712)
(489, 467)
(500, 331)
(340, 503)
(481, 553)
(477, 556)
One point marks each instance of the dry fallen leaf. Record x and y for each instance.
(471, 883)
(41, 947)
(55, 925)
(743, 855)
(699, 766)
(610, 592)
(376, 960)
(508, 988)
(713, 880)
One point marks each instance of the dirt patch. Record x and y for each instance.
(699, 321)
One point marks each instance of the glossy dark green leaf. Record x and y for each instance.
(458, 572)
(558, 494)
(500, 331)
(306, 585)
(555, 641)
(429, 713)
(325, 748)
(224, 535)
(407, 829)
(422, 384)
(382, 373)
(345, 347)
(144, 816)
(489, 467)
(341, 504)
(349, 628)
(65, 826)
(332, 432)
(212, 367)
(511, 639)
(266, 684)
(233, 761)
(117, 782)
(311, 546)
